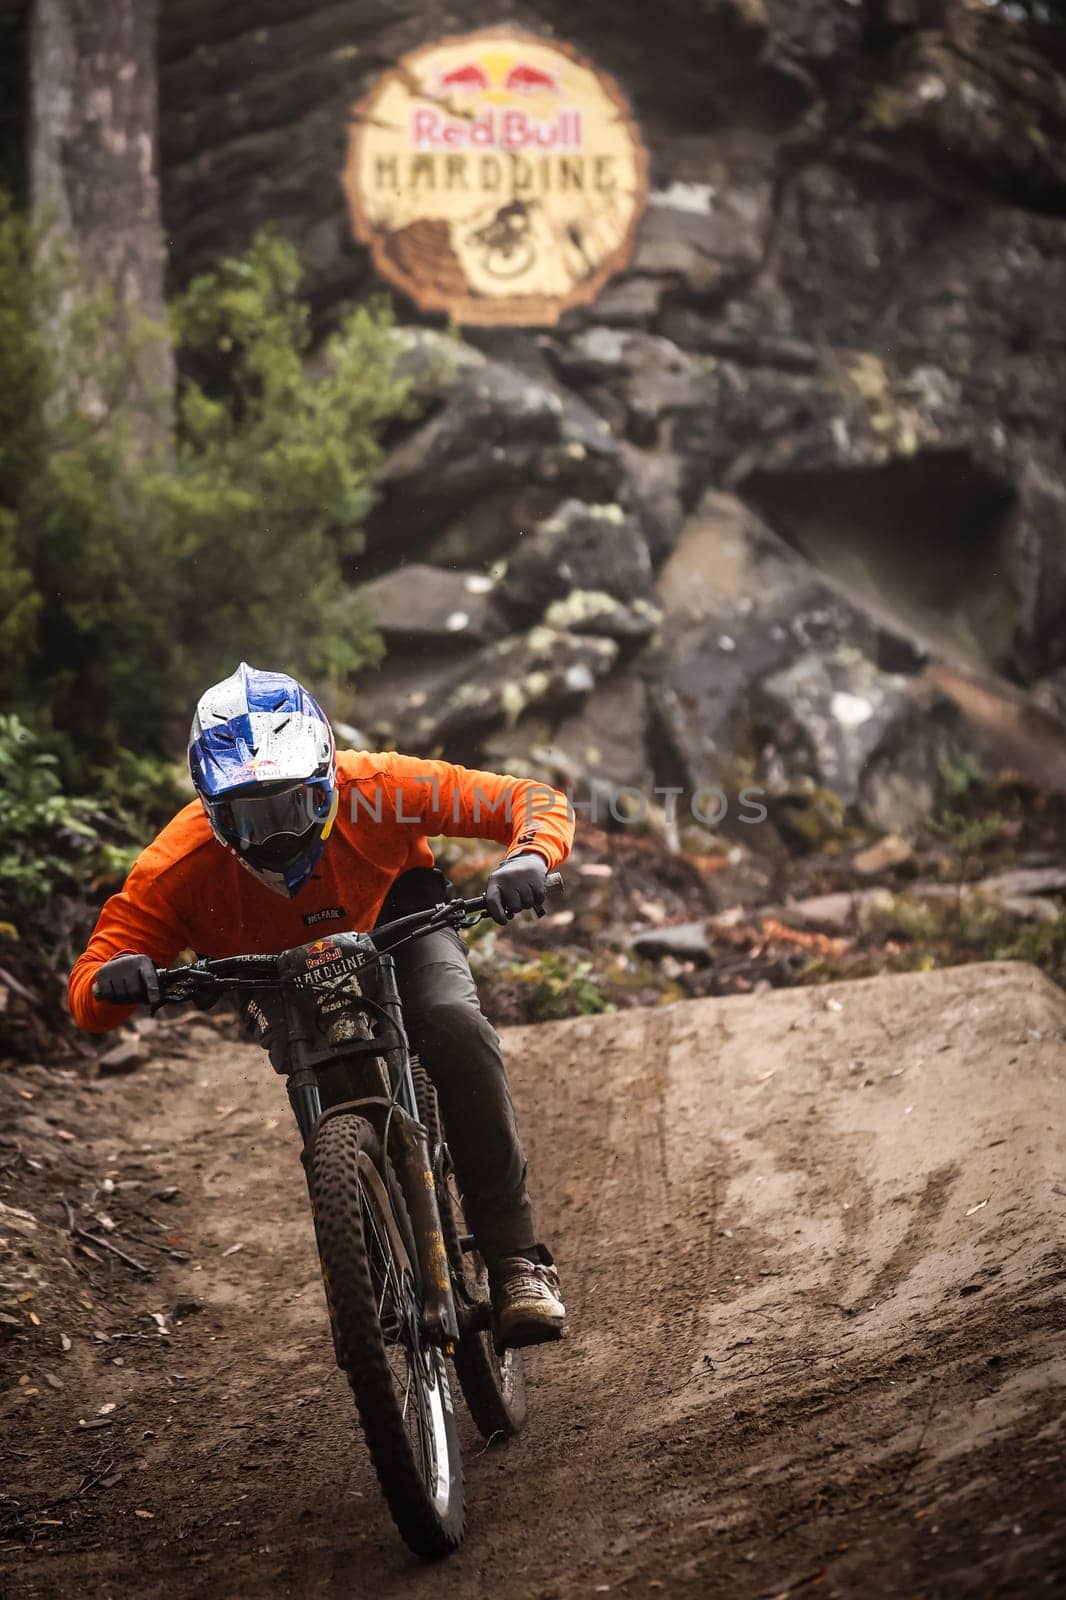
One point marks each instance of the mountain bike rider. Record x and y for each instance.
(289, 840)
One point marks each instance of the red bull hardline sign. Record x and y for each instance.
(496, 177)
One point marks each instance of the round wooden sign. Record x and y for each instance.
(496, 177)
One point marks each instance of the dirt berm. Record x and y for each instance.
(812, 1248)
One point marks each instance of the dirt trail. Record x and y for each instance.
(812, 1246)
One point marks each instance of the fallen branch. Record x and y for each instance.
(101, 1243)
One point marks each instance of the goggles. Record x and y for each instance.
(251, 821)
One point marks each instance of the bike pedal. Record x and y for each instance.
(522, 1338)
(477, 1318)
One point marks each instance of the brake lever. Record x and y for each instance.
(186, 989)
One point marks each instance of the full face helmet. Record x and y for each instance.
(264, 763)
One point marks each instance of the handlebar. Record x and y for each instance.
(268, 971)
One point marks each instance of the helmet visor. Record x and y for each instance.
(280, 818)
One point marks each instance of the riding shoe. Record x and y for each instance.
(526, 1303)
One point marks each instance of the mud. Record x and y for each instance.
(812, 1244)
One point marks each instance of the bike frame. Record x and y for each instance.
(327, 971)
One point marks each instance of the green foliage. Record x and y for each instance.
(959, 774)
(273, 480)
(48, 839)
(142, 790)
(133, 572)
(1042, 943)
(559, 985)
(967, 926)
(968, 834)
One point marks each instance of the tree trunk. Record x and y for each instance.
(94, 185)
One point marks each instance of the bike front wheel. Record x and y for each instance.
(398, 1378)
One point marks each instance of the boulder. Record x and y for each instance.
(708, 235)
(1037, 562)
(482, 535)
(1031, 908)
(758, 330)
(1025, 732)
(654, 494)
(839, 708)
(651, 377)
(1026, 882)
(685, 941)
(739, 606)
(631, 300)
(921, 539)
(599, 753)
(422, 605)
(593, 611)
(882, 856)
(432, 364)
(595, 548)
(389, 698)
(497, 429)
(526, 749)
(543, 669)
(606, 740)
(763, 661)
(125, 1056)
(904, 778)
(723, 564)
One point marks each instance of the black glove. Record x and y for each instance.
(517, 884)
(127, 981)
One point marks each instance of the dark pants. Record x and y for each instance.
(460, 1049)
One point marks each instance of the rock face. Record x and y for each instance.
(811, 435)
(499, 437)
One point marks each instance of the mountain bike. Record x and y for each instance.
(405, 1284)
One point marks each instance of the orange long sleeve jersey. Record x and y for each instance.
(186, 891)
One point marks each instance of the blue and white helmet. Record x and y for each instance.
(264, 763)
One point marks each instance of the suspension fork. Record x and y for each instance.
(301, 1084)
(305, 1098)
(409, 1149)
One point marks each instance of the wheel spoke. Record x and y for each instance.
(393, 1291)
(387, 1266)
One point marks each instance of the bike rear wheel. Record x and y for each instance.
(399, 1380)
(493, 1385)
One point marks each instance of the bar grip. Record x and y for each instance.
(554, 881)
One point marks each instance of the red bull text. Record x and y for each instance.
(510, 128)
